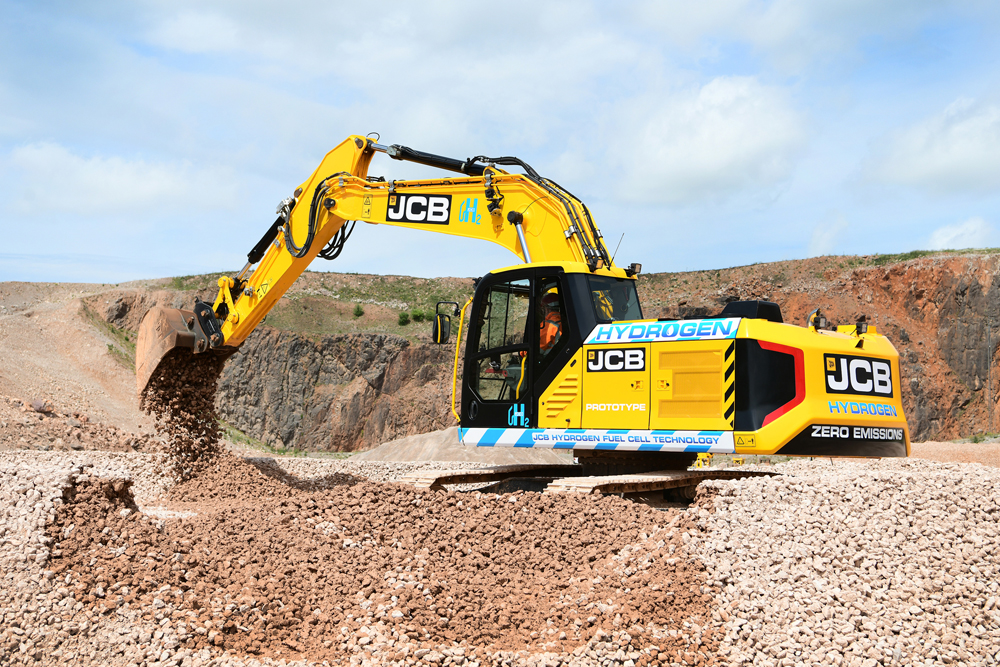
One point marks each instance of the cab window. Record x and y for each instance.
(614, 299)
(503, 342)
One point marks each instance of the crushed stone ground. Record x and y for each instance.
(267, 569)
(843, 562)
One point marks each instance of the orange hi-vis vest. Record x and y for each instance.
(551, 328)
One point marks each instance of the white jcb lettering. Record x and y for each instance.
(634, 360)
(858, 383)
(841, 383)
(882, 373)
(411, 203)
(438, 211)
(395, 213)
(614, 365)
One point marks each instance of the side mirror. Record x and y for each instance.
(441, 328)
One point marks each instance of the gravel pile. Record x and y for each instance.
(383, 572)
(38, 424)
(376, 471)
(891, 562)
(852, 563)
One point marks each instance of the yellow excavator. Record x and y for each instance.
(558, 353)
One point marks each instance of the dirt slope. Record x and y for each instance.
(50, 351)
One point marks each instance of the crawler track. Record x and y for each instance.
(570, 478)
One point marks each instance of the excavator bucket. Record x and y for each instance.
(161, 331)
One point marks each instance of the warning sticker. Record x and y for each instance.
(745, 440)
(366, 207)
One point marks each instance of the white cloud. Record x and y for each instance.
(792, 34)
(825, 236)
(957, 150)
(48, 178)
(973, 233)
(728, 135)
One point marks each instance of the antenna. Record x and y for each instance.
(616, 248)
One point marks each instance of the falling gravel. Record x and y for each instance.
(181, 396)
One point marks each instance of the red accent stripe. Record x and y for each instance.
(800, 378)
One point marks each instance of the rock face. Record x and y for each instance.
(339, 393)
(943, 316)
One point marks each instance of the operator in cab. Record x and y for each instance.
(551, 322)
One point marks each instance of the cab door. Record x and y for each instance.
(497, 380)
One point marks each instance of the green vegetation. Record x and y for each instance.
(895, 258)
(238, 437)
(324, 304)
(122, 347)
(882, 260)
(422, 293)
(404, 319)
(198, 283)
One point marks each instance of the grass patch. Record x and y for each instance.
(197, 283)
(122, 347)
(238, 437)
(882, 260)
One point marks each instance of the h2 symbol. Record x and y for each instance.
(515, 416)
(467, 211)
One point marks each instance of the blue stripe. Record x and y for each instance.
(649, 448)
(663, 432)
(619, 431)
(491, 437)
(525, 439)
(709, 432)
(576, 430)
(606, 445)
(563, 445)
(700, 449)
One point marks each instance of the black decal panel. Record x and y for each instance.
(616, 359)
(863, 376)
(425, 209)
(844, 440)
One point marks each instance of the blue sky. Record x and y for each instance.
(149, 139)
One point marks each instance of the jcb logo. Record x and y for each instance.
(626, 359)
(858, 375)
(428, 209)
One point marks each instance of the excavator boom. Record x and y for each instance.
(530, 215)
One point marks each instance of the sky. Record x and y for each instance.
(149, 139)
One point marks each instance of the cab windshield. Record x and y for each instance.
(614, 299)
